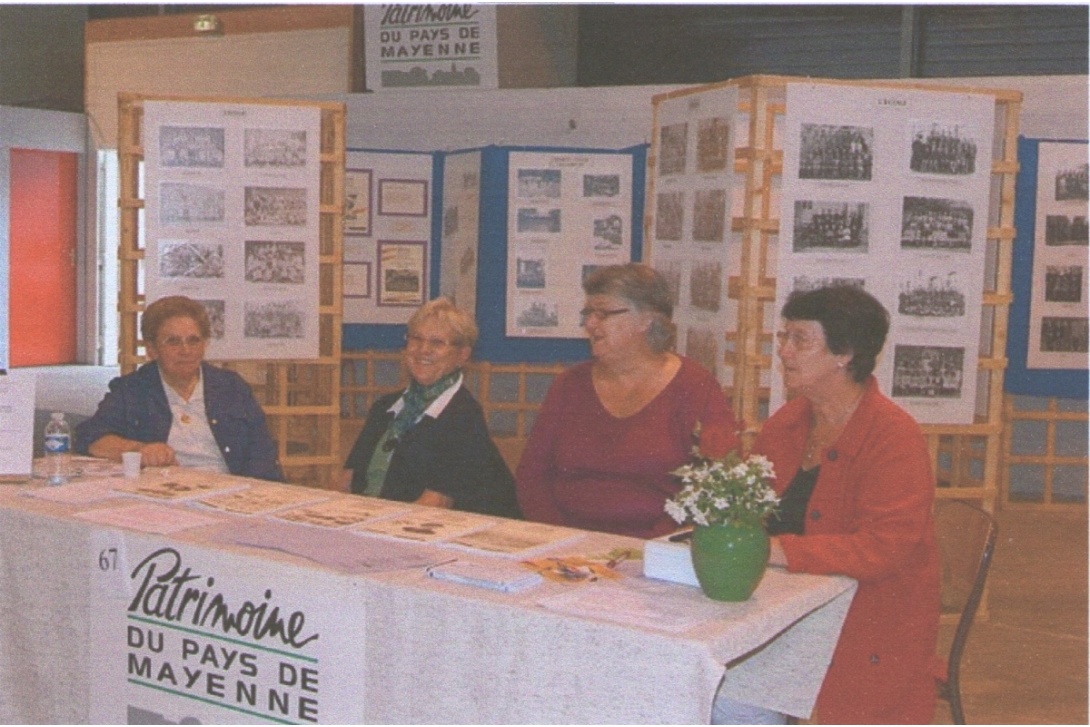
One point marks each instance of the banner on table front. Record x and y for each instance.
(188, 635)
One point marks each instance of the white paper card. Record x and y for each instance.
(17, 423)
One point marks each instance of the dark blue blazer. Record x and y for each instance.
(136, 408)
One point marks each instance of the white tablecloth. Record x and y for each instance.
(400, 647)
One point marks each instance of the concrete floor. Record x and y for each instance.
(1027, 663)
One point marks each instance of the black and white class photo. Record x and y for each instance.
(839, 226)
(943, 148)
(828, 151)
(929, 223)
(932, 372)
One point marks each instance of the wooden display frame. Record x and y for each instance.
(966, 457)
(1049, 460)
(301, 398)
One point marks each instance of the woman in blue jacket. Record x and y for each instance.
(177, 409)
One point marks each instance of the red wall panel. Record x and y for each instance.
(42, 279)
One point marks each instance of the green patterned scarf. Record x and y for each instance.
(418, 398)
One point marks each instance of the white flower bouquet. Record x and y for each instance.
(726, 491)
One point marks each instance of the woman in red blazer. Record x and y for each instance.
(856, 488)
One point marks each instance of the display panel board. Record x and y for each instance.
(1049, 272)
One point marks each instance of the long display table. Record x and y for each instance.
(128, 607)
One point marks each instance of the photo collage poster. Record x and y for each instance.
(459, 246)
(692, 243)
(1058, 310)
(387, 235)
(231, 219)
(568, 214)
(888, 189)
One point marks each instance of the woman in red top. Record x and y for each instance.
(612, 429)
(856, 493)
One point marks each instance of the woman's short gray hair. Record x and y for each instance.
(461, 324)
(647, 290)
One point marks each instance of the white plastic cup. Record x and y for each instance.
(130, 464)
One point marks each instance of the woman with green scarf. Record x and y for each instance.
(429, 443)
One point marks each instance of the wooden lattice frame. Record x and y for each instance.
(966, 457)
(301, 398)
(1048, 460)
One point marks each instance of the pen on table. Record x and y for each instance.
(620, 558)
(429, 569)
(681, 537)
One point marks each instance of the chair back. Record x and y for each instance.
(966, 536)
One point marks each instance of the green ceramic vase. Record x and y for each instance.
(730, 559)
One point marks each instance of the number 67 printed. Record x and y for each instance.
(107, 559)
(108, 572)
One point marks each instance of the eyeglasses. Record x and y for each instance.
(415, 339)
(798, 340)
(178, 342)
(600, 314)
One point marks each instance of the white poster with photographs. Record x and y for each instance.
(387, 249)
(691, 210)
(1058, 310)
(568, 214)
(231, 220)
(888, 189)
(460, 241)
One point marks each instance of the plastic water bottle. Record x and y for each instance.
(58, 449)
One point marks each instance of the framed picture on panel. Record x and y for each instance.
(403, 197)
(357, 280)
(402, 272)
